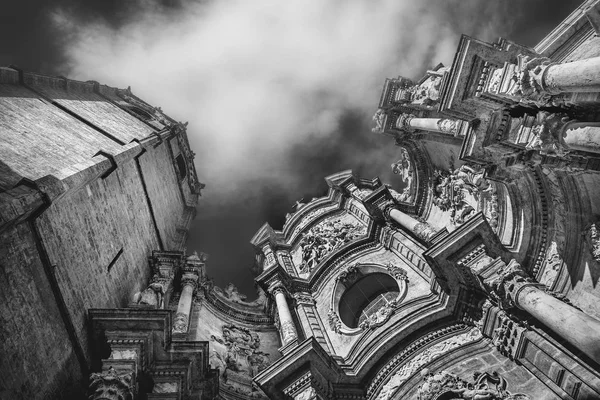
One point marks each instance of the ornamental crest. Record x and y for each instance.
(463, 192)
(326, 237)
(241, 352)
(486, 386)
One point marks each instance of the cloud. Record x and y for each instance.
(258, 79)
(278, 94)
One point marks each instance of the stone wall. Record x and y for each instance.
(38, 360)
(107, 223)
(161, 182)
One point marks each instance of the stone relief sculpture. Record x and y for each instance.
(486, 386)
(154, 294)
(460, 191)
(325, 237)
(380, 316)
(423, 358)
(379, 119)
(334, 321)
(111, 386)
(241, 354)
(592, 236)
(405, 169)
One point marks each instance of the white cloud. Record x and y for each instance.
(256, 78)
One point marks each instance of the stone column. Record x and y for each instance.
(189, 281)
(287, 328)
(573, 325)
(422, 229)
(409, 122)
(576, 76)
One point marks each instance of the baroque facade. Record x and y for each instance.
(473, 275)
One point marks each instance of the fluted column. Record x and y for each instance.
(409, 122)
(573, 325)
(189, 281)
(287, 328)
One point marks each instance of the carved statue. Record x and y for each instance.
(486, 386)
(452, 187)
(154, 294)
(379, 119)
(241, 354)
(325, 237)
(592, 236)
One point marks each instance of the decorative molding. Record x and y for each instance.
(111, 385)
(422, 352)
(486, 386)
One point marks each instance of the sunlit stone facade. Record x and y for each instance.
(473, 274)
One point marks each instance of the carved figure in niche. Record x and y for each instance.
(592, 236)
(325, 237)
(453, 188)
(154, 294)
(241, 354)
(379, 119)
(486, 386)
(545, 133)
(404, 168)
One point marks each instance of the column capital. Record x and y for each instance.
(511, 280)
(111, 385)
(403, 122)
(276, 288)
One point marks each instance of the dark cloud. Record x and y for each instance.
(278, 94)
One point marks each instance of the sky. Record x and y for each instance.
(278, 94)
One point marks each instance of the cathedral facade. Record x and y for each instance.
(473, 275)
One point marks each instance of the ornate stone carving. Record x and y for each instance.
(424, 231)
(449, 126)
(510, 280)
(334, 321)
(406, 170)
(242, 354)
(545, 134)
(507, 335)
(453, 188)
(180, 322)
(403, 122)
(324, 238)
(592, 236)
(288, 331)
(379, 317)
(154, 294)
(349, 275)
(529, 77)
(486, 386)
(111, 386)
(397, 272)
(423, 358)
(379, 119)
